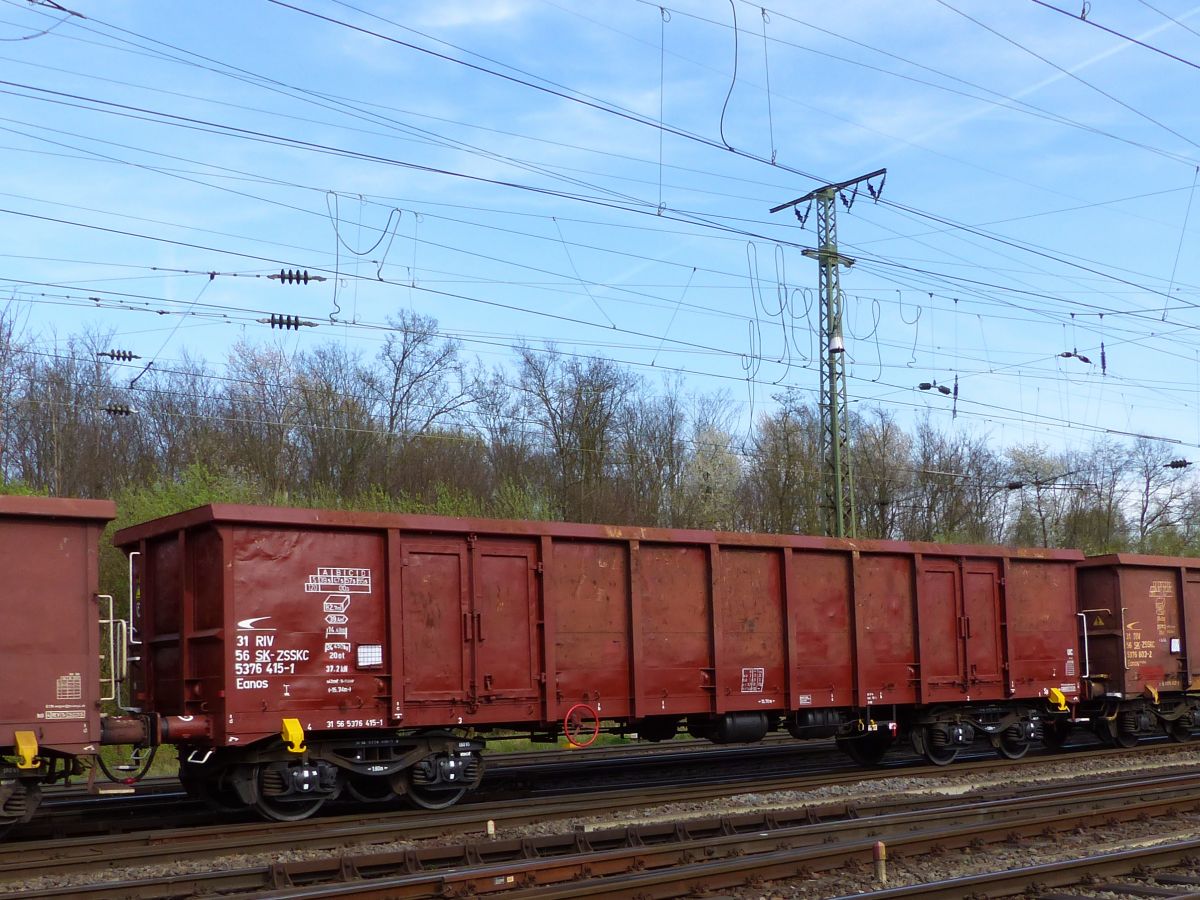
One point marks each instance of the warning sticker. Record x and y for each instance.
(752, 680)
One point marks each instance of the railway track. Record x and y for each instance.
(1165, 871)
(71, 812)
(362, 857)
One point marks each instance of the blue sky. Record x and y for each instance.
(597, 175)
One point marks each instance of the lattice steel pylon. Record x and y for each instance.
(835, 434)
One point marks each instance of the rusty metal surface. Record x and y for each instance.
(1138, 623)
(49, 653)
(330, 518)
(253, 614)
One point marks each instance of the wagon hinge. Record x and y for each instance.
(540, 568)
(472, 540)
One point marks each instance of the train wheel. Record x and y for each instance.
(1110, 733)
(208, 790)
(1012, 747)
(1178, 731)
(923, 743)
(424, 797)
(1127, 739)
(1055, 733)
(866, 750)
(370, 789)
(281, 808)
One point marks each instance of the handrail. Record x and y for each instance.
(1087, 660)
(132, 635)
(1124, 651)
(112, 650)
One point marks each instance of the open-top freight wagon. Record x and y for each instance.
(299, 653)
(49, 644)
(1139, 615)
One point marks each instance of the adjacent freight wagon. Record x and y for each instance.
(49, 644)
(1138, 617)
(298, 653)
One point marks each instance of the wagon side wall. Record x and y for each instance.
(49, 642)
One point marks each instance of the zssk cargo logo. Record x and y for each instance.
(252, 624)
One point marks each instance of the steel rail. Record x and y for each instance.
(31, 858)
(660, 858)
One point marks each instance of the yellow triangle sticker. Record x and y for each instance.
(1099, 621)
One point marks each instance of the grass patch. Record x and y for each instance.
(522, 744)
(165, 765)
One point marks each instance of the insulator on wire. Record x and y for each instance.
(295, 276)
(119, 355)
(119, 410)
(287, 323)
(1103, 360)
(1177, 464)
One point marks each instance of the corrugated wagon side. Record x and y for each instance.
(297, 653)
(1140, 633)
(49, 643)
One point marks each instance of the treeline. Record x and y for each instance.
(419, 426)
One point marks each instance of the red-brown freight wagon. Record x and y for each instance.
(1140, 616)
(49, 643)
(306, 650)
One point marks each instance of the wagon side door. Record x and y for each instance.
(503, 620)
(941, 629)
(982, 626)
(435, 604)
(1190, 615)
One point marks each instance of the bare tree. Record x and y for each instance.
(421, 380)
(73, 436)
(575, 403)
(260, 407)
(883, 474)
(956, 488)
(1094, 518)
(335, 433)
(12, 400)
(182, 416)
(785, 478)
(1159, 489)
(1038, 475)
(651, 454)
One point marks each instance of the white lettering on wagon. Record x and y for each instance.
(251, 624)
(335, 579)
(753, 680)
(261, 664)
(338, 583)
